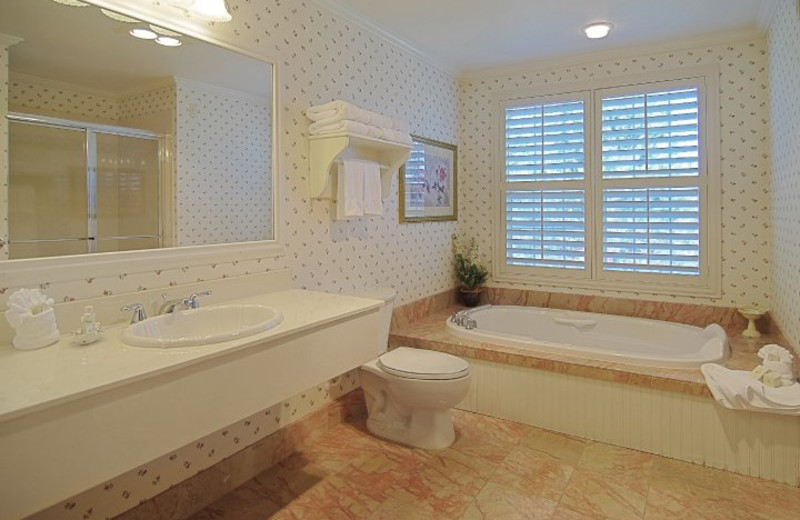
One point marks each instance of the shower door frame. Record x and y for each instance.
(165, 188)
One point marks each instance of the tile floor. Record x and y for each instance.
(496, 470)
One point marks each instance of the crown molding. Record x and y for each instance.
(766, 13)
(628, 51)
(62, 85)
(6, 40)
(354, 17)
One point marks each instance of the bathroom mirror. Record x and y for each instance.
(118, 143)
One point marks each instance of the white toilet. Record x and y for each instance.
(410, 392)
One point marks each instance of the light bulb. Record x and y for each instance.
(168, 41)
(212, 10)
(597, 30)
(143, 34)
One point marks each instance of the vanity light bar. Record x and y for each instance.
(211, 10)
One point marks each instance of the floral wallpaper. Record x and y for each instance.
(784, 71)
(223, 153)
(744, 162)
(44, 97)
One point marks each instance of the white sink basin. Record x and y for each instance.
(201, 326)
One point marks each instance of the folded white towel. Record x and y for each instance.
(350, 190)
(337, 111)
(353, 127)
(373, 203)
(736, 389)
(340, 110)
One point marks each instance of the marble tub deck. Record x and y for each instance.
(430, 332)
(496, 469)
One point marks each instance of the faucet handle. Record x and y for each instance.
(192, 300)
(138, 312)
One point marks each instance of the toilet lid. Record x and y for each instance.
(414, 363)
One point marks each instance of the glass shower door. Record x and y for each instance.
(47, 195)
(127, 187)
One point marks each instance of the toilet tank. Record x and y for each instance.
(387, 295)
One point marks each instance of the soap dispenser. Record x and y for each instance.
(90, 329)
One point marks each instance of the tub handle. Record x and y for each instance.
(578, 324)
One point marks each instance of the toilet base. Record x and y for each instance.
(425, 429)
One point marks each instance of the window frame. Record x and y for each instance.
(708, 283)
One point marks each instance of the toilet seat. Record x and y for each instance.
(414, 363)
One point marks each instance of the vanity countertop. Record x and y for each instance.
(37, 379)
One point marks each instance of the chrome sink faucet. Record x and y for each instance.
(138, 312)
(181, 304)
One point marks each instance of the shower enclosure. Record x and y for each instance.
(77, 187)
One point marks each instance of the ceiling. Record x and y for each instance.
(469, 35)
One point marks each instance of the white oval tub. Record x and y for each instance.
(597, 336)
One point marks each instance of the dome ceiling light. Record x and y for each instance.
(597, 30)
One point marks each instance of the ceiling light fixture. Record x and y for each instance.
(597, 30)
(119, 17)
(72, 3)
(168, 41)
(211, 10)
(164, 32)
(143, 34)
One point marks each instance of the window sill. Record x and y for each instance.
(512, 280)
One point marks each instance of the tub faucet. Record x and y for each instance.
(462, 318)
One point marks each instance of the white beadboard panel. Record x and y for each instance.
(674, 425)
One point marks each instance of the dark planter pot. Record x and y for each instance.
(470, 297)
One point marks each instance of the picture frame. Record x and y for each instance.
(429, 182)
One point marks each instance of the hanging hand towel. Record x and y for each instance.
(373, 205)
(350, 190)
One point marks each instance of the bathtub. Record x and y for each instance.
(595, 336)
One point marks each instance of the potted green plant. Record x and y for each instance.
(470, 273)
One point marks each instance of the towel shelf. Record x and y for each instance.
(326, 150)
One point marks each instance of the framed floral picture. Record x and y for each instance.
(429, 182)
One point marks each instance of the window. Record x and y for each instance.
(612, 186)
